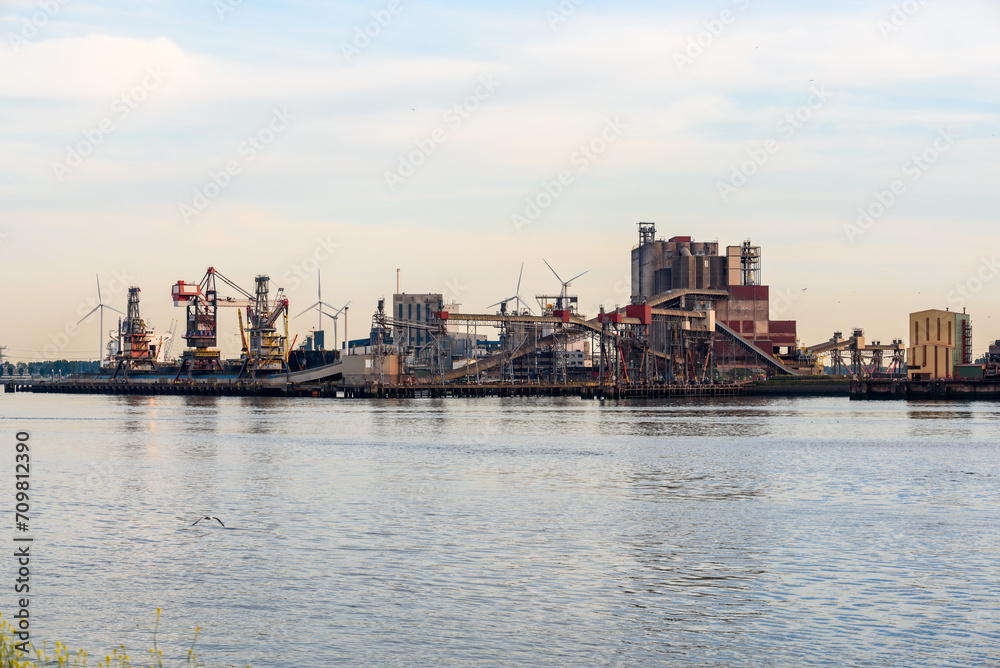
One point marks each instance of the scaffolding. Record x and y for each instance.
(966, 352)
(647, 233)
(135, 351)
(749, 264)
(267, 346)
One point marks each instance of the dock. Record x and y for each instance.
(915, 390)
(371, 390)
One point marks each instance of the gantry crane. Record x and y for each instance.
(136, 351)
(264, 349)
(267, 349)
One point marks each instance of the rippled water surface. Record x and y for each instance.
(741, 532)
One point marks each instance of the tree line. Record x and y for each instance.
(64, 367)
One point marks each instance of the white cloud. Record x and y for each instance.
(686, 129)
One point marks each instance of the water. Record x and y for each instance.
(740, 532)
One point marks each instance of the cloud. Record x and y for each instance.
(353, 121)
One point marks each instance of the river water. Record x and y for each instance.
(737, 532)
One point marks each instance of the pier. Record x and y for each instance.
(223, 388)
(943, 388)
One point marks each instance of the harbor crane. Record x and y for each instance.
(265, 349)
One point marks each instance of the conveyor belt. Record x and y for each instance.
(770, 361)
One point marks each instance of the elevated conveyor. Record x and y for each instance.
(832, 344)
(673, 297)
(326, 372)
(770, 361)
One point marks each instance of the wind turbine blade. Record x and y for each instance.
(109, 307)
(99, 300)
(551, 269)
(89, 314)
(337, 312)
(502, 301)
(518, 291)
(307, 310)
(328, 315)
(576, 277)
(319, 285)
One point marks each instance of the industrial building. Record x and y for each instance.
(413, 317)
(697, 317)
(963, 338)
(939, 341)
(932, 345)
(660, 266)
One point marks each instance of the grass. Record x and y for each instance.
(62, 657)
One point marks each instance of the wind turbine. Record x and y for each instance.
(100, 305)
(334, 316)
(565, 284)
(319, 308)
(517, 296)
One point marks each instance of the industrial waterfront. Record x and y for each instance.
(741, 531)
(699, 323)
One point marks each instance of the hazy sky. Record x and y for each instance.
(146, 141)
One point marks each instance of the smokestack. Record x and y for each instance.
(346, 337)
(397, 282)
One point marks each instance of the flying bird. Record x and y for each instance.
(208, 517)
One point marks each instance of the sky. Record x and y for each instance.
(143, 142)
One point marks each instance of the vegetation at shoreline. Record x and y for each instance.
(13, 656)
(64, 367)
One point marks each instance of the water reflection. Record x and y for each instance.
(695, 579)
(261, 415)
(137, 413)
(937, 419)
(677, 484)
(690, 418)
(513, 532)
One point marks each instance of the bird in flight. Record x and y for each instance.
(208, 517)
